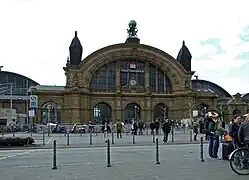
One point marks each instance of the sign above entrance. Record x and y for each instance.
(132, 70)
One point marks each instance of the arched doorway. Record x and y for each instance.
(50, 113)
(102, 111)
(160, 112)
(132, 111)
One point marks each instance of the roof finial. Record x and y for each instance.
(183, 42)
(75, 33)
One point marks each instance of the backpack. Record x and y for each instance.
(119, 125)
(208, 125)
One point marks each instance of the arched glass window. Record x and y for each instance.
(105, 78)
(159, 81)
(131, 73)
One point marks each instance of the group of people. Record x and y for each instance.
(138, 127)
(238, 130)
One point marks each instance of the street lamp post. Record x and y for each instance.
(164, 112)
(11, 97)
(135, 116)
(191, 106)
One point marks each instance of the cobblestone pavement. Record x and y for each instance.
(83, 140)
(178, 162)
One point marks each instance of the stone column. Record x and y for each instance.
(117, 76)
(148, 111)
(118, 114)
(147, 77)
(75, 107)
(85, 111)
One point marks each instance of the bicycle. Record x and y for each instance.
(239, 160)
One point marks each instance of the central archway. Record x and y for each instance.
(132, 111)
(102, 111)
(160, 112)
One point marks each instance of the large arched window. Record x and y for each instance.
(105, 78)
(131, 73)
(159, 81)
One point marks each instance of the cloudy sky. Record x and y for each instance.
(35, 34)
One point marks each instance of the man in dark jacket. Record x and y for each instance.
(152, 127)
(244, 131)
(234, 129)
(166, 130)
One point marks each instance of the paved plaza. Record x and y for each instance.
(98, 140)
(179, 162)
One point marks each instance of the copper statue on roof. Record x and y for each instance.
(132, 31)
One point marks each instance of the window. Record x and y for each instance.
(105, 78)
(131, 70)
(159, 81)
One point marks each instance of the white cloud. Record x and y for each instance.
(35, 34)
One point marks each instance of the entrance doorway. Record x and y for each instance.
(160, 112)
(102, 111)
(132, 111)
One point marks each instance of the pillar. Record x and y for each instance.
(147, 77)
(147, 110)
(118, 77)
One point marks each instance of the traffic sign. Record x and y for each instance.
(33, 101)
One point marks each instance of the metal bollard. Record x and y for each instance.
(65, 133)
(68, 138)
(133, 139)
(108, 153)
(80, 133)
(91, 138)
(190, 135)
(43, 139)
(172, 135)
(157, 152)
(14, 134)
(112, 137)
(153, 137)
(54, 156)
(96, 132)
(201, 150)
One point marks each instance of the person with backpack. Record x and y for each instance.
(119, 127)
(213, 131)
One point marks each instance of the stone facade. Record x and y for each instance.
(77, 100)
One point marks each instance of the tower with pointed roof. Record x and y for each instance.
(184, 57)
(75, 50)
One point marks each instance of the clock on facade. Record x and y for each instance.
(133, 82)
